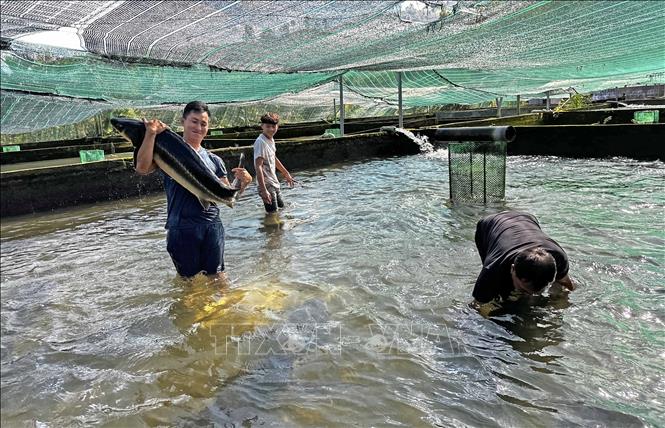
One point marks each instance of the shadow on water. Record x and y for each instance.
(535, 323)
(273, 226)
(272, 222)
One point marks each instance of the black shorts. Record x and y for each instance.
(275, 201)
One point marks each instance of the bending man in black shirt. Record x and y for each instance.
(517, 255)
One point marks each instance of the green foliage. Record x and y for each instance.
(128, 112)
(575, 102)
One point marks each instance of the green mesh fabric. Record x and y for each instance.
(278, 36)
(154, 53)
(94, 78)
(26, 113)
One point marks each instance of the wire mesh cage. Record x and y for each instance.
(477, 171)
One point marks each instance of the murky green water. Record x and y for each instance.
(352, 313)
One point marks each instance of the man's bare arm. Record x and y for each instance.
(566, 282)
(144, 158)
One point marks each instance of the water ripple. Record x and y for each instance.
(360, 294)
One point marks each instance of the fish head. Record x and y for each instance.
(132, 129)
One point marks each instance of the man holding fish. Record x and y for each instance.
(195, 238)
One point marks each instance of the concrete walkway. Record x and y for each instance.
(56, 162)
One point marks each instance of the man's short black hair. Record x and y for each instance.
(271, 118)
(535, 266)
(197, 106)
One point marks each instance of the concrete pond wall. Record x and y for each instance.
(41, 189)
(49, 150)
(597, 116)
(594, 133)
(583, 141)
(245, 136)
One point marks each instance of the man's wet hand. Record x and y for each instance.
(265, 195)
(154, 126)
(242, 175)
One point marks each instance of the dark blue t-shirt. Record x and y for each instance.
(183, 208)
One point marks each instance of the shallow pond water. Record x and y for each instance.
(353, 311)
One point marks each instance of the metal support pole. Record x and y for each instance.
(98, 124)
(341, 105)
(334, 111)
(450, 174)
(471, 168)
(518, 105)
(400, 122)
(498, 106)
(484, 174)
(547, 103)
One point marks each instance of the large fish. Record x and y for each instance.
(180, 162)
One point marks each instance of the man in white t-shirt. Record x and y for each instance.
(266, 164)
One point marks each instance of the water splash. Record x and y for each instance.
(421, 140)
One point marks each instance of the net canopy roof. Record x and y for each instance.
(154, 53)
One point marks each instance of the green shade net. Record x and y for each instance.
(137, 84)
(26, 113)
(156, 53)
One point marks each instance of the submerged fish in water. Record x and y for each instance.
(180, 162)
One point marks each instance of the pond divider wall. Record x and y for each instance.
(42, 189)
(586, 141)
(234, 137)
(582, 134)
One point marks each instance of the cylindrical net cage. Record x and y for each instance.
(477, 171)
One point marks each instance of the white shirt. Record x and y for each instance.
(264, 147)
